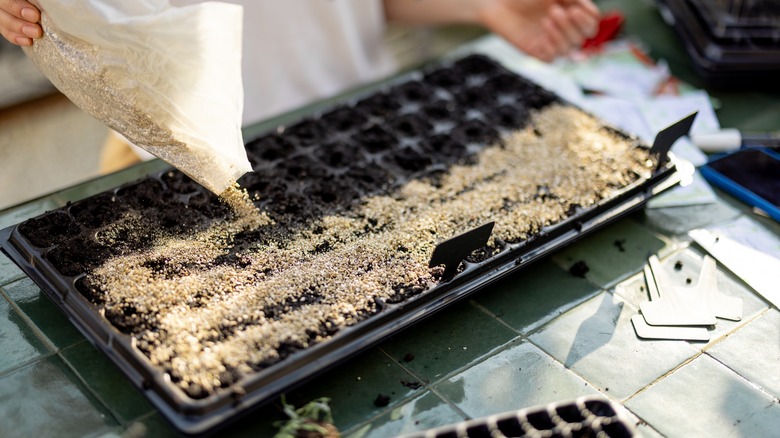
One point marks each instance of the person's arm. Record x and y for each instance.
(545, 29)
(19, 22)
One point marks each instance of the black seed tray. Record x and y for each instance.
(414, 128)
(736, 20)
(732, 44)
(584, 417)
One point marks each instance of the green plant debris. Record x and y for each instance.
(313, 420)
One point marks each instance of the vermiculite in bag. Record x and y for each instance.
(167, 78)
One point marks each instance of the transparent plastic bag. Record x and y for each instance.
(167, 78)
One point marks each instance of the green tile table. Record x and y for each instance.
(539, 336)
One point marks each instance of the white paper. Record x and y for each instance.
(749, 251)
(547, 75)
(662, 111)
(693, 190)
(752, 234)
(617, 72)
(629, 103)
(624, 114)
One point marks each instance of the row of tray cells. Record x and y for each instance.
(81, 235)
(331, 161)
(377, 143)
(479, 121)
(592, 418)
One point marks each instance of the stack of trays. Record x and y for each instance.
(732, 43)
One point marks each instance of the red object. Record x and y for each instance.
(609, 26)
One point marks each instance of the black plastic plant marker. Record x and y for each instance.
(667, 136)
(452, 251)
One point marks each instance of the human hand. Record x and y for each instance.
(544, 29)
(19, 22)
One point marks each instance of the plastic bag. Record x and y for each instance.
(167, 78)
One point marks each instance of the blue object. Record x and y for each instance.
(751, 175)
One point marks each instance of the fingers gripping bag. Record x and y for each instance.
(167, 78)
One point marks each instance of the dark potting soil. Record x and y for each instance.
(412, 384)
(381, 400)
(50, 230)
(579, 269)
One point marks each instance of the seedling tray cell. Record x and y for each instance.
(211, 312)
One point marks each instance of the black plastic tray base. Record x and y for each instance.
(199, 416)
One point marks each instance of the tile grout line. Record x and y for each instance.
(620, 401)
(41, 358)
(704, 351)
(539, 328)
(34, 327)
(452, 405)
(487, 311)
(741, 324)
(426, 385)
(555, 360)
(748, 381)
(665, 375)
(367, 421)
(430, 385)
(670, 246)
(120, 421)
(483, 357)
(707, 353)
(13, 279)
(526, 337)
(53, 351)
(699, 353)
(520, 337)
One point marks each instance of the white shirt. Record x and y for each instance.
(298, 51)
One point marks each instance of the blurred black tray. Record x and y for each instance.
(588, 416)
(196, 416)
(736, 20)
(730, 47)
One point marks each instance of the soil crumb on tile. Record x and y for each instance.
(579, 269)
(381, 400)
